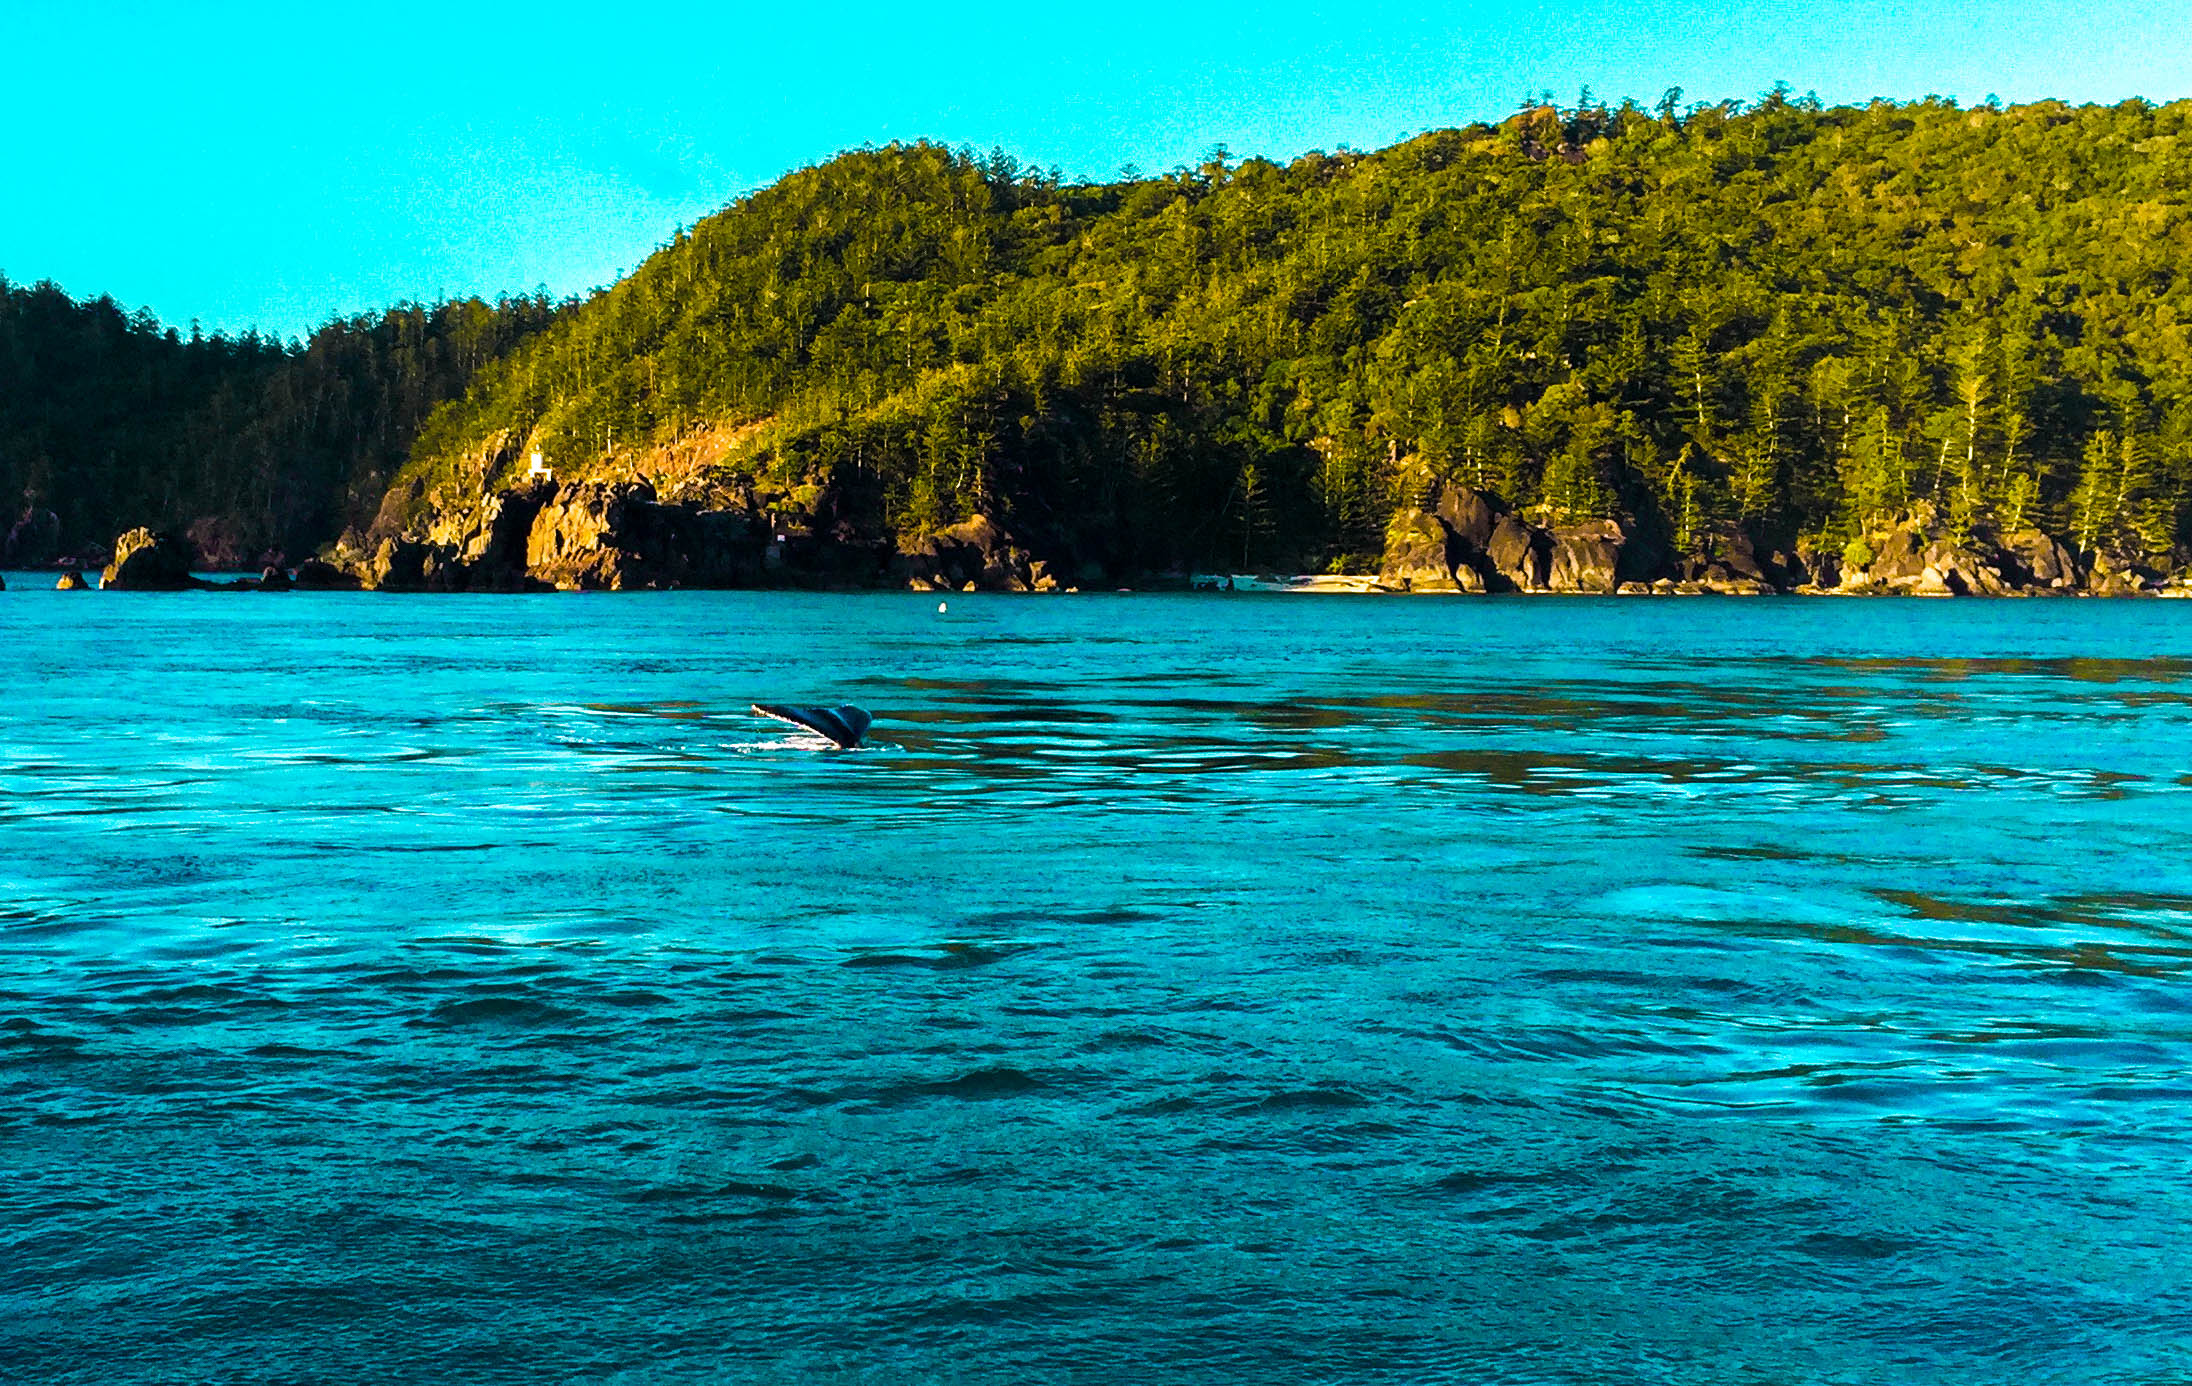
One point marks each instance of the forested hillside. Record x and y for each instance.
(1780, 321)
(1794, 320)
(108, 419)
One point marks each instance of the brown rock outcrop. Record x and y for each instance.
(1470, 515)
(1418, 553)
(493, 548)
(617, 535)
(2111, 577)
(1817, 568)
(1897, 559)
(604, 536)
(145, 561)
(975, 551)
(1738, 555)
(1961, 570)
(2045, 561)
(400, 565)
(318, 575)
(587, 536)
(1519, 554)
(1585, 557)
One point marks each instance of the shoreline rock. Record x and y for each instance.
(621, 536)
(1469, 540)
(318, 575)
(145, 561)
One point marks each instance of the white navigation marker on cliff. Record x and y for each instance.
(538, 471)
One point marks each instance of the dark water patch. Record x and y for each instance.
(1010, 1309)
(25, 1040)
(1597, 977)
(1332, 1097)
(1298, 717)
(138, 1017)
(1099, 917)
(1750, 852)
(687, 1193)
(978, 689)
(1472, 1182)
(32, 923)
(763, 1212)
(1125, 1039)
(1166, 1106)
(977, 1085)
(635, 1000)
(506, 1012)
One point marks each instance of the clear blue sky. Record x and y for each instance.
(272, 165)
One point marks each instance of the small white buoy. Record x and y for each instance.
(942, 607)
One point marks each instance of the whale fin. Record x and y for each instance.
(843, 725)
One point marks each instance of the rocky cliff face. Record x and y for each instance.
(621, 535)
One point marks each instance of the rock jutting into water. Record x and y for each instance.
(146, 561)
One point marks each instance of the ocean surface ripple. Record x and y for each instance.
(1176, 989)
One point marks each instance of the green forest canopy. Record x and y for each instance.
(111, 420)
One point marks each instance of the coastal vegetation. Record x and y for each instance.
(109, 420)
(1771, 326)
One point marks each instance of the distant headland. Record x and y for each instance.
(1736, 348)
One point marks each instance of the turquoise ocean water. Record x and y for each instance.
(1178, 989)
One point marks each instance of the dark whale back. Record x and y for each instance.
(843, 725)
